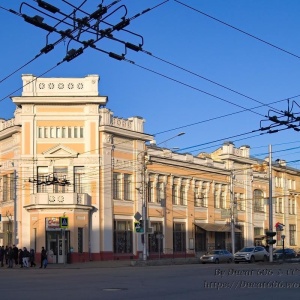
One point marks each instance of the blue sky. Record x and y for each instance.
(201, 76)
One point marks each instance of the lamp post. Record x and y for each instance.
(145, 194)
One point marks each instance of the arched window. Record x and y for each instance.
(258, 200)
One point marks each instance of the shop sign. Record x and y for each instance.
(52, 224)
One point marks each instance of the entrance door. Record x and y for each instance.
(220, 240)
(55, 246)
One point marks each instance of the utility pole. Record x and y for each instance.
(232, 214)
(144, 212)
(15, 209)
(270, 202)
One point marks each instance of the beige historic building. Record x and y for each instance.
(65, 155)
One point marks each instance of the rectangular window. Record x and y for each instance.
(150, 191)
(40, 132)
(160, 192)
(42, 176)
(75, 132)
(197, 197)
(175, 194)
(122, 236)
(81, 132)
(12, 186)
(155, 240)
(63, 132)
(46, 132)
(78, 176)
(127, 186)
(179, 237)
(223, 199)
(278, 238)
(80, 240)
(58, 132)
(59, 176)
(117, 186)
(280, 205)
(217, 198)
(52, 133)
(292, 232)
(183, 200)
(69, 132)
(5, 188)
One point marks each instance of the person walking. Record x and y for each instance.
(16, 252)
(25, 257)
(10, 257)
(44, 261)
(32, 258)
(2, 256)
(20, 257)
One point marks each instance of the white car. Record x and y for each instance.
(251, 254)
(217, 256)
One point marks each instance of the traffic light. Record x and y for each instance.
(270, 235)
(139, 228)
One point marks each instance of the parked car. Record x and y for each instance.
(217, 256)
(288, 253)
(251, 254)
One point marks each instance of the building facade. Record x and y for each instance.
(65, 155)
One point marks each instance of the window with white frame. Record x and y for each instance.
(280, 205)
(60, 173)
(150, 191)
(217, 193)
(223, 198)
(197, 196)
(127, 187)
(183, 195)
(240, 201)
(292, 206)
(78, 178)
(160, 192)
(42, 176)
(175, 194)
(117, 185)
(5, 188)
(258, 201)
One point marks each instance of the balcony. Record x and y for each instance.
(60, 199)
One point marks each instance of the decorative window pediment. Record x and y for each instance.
(60, 151)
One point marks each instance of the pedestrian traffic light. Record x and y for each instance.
(139, 228)
(270, 235)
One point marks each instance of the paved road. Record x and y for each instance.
(117, 280)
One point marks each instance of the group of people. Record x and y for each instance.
(14, 256)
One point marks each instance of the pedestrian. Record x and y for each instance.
(16, 252)
(32, 258)
(25, 257)
(2, 256)
(21, 258)
(10, 257)
(6, 254)
(44, 260)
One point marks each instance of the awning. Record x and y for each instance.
(216, 227)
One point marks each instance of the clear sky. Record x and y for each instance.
(213, 69)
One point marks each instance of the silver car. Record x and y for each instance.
(251, 254)
(217, 256)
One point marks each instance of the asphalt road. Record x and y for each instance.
(194, 281)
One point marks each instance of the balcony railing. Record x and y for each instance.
(60, 198)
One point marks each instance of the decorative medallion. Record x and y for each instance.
(60, 86)
(42, 86)
(51, 86)
(80, 86)
(70, 86)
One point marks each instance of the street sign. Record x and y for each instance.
(63, 222)
(137, 216)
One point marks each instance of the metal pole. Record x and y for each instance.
(232, 214)
(15, 208)
(270, 202)
(144, 213)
